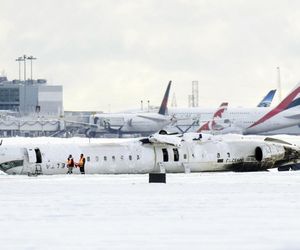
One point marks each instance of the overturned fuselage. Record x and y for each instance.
(190, 152)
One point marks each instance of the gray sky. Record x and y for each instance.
(115, 53)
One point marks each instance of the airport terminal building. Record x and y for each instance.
(34, 108)
(31, 97)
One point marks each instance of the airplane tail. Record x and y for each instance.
(211, 125)
(267, 100)
(163, 107)
(220, 110)
(292, 100)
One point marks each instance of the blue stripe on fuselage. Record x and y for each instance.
(293, 104)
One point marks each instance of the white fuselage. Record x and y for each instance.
(131, 123)
(240, 119)
(131, 156)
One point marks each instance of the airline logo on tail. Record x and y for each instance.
(211, 125)
(266, 102)
(291, 101)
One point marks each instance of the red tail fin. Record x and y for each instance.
(218, 114)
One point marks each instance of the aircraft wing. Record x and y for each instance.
(297, 116)
(165, 139)
(82, 123)
(271, 139)
(155, 118)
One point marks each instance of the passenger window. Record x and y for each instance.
(137, 157)
(105, 158)
(176, 154)
(165, 154)
(185, 156)
(228, 155)
(88, 158)
(130, 157)
(113, 158)
(122, 157)
(97, 158)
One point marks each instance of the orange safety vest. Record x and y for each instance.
(70, 162)
(81, 162)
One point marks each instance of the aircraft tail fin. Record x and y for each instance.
(164, 104)
(267, 100)
(292, 100)
(210, 125)
(222, 108)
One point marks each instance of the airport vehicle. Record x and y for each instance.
(190, 152)
(251, 120)
(131, 123)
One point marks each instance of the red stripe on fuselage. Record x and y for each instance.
(281, 106)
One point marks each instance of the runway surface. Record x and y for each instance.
(193, 211)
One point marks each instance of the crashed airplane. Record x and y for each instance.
(190, 152)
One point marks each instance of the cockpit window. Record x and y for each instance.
(10, 164)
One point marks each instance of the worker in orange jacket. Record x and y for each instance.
(70, 164)
(81, 164)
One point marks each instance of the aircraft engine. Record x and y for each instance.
(269, 153)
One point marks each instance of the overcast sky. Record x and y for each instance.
(115, 53)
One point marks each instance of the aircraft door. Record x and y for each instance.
(34, 155)
(170, 158)
(38, 155)
(31, 155)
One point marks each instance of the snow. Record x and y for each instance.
(192, 211)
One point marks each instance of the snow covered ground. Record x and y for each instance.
(193, 211)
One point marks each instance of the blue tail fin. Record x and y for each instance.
(164, 103)
(266, 102)
(292, 100)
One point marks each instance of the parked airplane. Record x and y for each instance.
(267, 100)
(251, 120)
(215, 123)
(142, 123)
(207, 126)
(191, 152)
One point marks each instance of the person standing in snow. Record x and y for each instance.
(70, 164)
(81, 164)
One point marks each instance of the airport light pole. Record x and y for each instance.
(20, 59)
(24, 59)
(31, 58)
